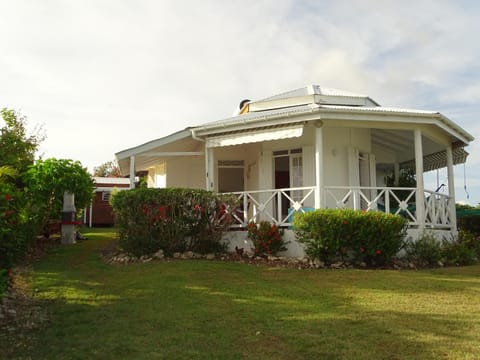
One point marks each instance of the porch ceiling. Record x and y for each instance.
(401, 143)
(154, 153)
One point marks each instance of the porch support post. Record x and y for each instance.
(210, 169)
(319, 182)
(420, 195)
(132, 171)
(396, 172)
(451, 189)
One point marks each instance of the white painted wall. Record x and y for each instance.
(187, 172)
(239, 239)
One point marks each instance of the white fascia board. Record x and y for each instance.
(429, 118)
(110, 189)
(124, 154)
(173, 153)
(111, 180)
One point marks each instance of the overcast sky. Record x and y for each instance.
(102, 76)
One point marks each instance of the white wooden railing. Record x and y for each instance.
(394, 200)
(438, 210)
(274, 205)
(278, 205)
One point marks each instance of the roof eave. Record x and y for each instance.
(442, 121)
(265, 120)
(182, 134)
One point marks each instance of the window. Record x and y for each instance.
(106, 195)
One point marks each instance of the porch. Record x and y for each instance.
(430, 210)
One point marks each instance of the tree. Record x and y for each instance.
(17, 153)
(47, 181)
(108, 169)
(18, 148)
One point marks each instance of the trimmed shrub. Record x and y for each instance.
(426, 251)
(469, 223)
(3, 282)
(465, 250)
(171, 219)
(267, 238)
(332, 234)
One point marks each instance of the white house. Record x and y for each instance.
(313, 147)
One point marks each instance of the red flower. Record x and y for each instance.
(362, 250)
(378, 252)
(344, 222)
(8, 197)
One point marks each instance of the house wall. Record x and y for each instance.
(188, 172)
(336, 145)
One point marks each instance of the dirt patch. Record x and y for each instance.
(20, 314)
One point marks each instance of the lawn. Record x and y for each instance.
(200, 309)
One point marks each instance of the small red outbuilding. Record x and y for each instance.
(100, 212)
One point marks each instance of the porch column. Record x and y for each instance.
(420, 195)
(319, 182)
(210, 169)
(132, 172)
(396, 171)
(451, 189)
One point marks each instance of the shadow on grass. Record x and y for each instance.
(205, 310)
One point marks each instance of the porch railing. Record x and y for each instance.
(278, 205)
(394, 200)
(275, 205)
(399, 201)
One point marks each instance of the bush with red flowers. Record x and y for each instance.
(267, 238)
(171, 219)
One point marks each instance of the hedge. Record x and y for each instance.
(171, 219)
(339, 234)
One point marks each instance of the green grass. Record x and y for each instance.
(215, 310)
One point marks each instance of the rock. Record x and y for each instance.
(363, 264)
(159, 254)
(412, 266)
(189, 254)
(397, 267)
(337, 265)
(317, 263)
(210, 256)
(272, 258)
(12, 312)
(177, 255)
(304, 260)
(440, 264)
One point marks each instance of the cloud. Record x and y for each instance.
(106, 75)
